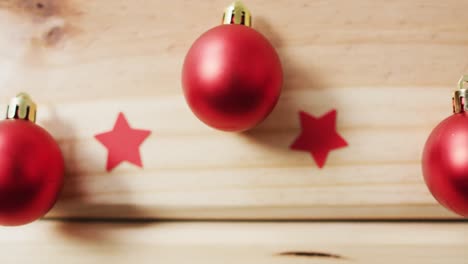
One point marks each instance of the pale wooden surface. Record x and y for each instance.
(214, 243)
(388, 67)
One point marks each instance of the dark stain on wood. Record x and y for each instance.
(39, 11)
(53, 36)
(40, 8)
(310, 254)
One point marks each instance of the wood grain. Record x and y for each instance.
(363, 243)
(388, 67)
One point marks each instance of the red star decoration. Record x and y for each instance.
(123, 143)
(318, 136)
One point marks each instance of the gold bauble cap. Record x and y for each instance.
(237, 13)
(22, 107)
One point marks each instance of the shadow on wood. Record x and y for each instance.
(297, 78)
(75, 201)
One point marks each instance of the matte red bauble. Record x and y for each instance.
(232, 75)
(31, 166)
(445, 157)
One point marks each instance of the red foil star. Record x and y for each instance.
(318, 136)
(123, 143)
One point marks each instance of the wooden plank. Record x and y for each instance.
(65, 242)
(387, 67)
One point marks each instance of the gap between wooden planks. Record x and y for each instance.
(206, 243)
(387, 66)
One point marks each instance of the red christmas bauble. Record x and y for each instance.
(232, 77)
(31, 172)
(445, 163)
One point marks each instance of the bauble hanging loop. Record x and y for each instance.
(459, 96)
(22, 107)
(232, 75)
(238, 14)
(445, 156)
(31, 165)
